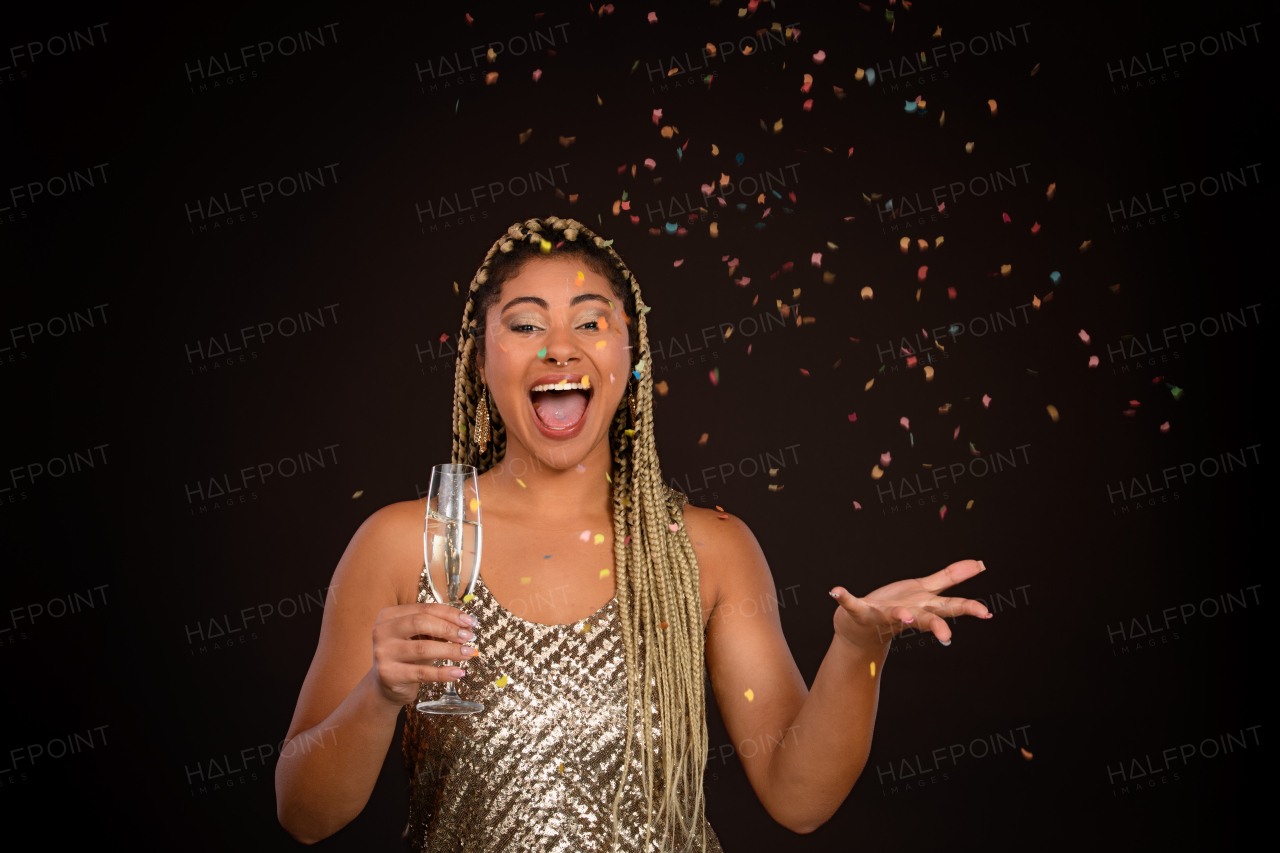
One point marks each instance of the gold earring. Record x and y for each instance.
(481, 432)
(631, 401)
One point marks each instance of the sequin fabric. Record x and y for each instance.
(538, 768)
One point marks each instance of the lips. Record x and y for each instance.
(560, 404)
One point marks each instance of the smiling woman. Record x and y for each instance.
(594, 732)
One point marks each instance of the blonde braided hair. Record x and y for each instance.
(659, 603)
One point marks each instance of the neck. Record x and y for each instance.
(523, 480)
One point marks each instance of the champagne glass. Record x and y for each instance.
(451, 547)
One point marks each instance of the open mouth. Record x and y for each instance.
(562, 405)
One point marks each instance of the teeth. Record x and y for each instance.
(562, 386)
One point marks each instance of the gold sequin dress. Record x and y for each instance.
(537, 770)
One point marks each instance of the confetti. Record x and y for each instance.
(942, 513)
(1048, 194)
(673, 527)
(598, 538)
(1035, 69)
(815, 259)
(968, 148)
(1023, 749)
(542, 353)
(491, 56)
(876, 472)
(928, 374)
(653, 17)
(702, 440)
(1093, 361)
(501, 682)
(521, 482)
(857, 505)
(714, 375)
(677, 263)
(750, 694)
(604, 573)
(1084, 247)
(1006, 270)
(662, 388)
(873, 669)
(1164, 428)
(906, 424)
(969, 505)
(1035, 229)
(469, 597)
(904, 244)
(650, 164)
(819, 57)
(526, 580)
(921, 273)
(357, 494)
(885, 459)
(986, 401)
(1055, 277)
(853, 417)
(1084, 336)
(585, 536)
(537, 74)
(867, 293)
(870, 382)
(1053, 413)
(992, 104)
(491, 78)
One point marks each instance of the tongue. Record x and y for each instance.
(560, 409)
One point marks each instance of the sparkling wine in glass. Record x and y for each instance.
(451, 545)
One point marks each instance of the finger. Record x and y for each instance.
(952, 607)
(418, 651)
(952, 575)
(429, 625)
(419, 673)
(936, 625)
(441, 611)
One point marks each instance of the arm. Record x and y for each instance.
(373, 653)
(808, 746)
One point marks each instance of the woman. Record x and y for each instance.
(594, 735)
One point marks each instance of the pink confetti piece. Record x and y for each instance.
(1093, 361)
(635, 220)
(857, 505)
(847, 157)
(1035, 229)
(650, 164)
(808, 106)
(673, 527)
(657, 114)
(951, 294)
(537, 74)
(581, 469)
(627, 541)
(853, 417)
(921, 273)
(942, 208)
(678, 263)
(585, 536)
(742, 282)
(444, 337)
(942, 513)
(1006, 218)
(706, 191)
(820, 57)
(906, 424)
(1135, 404)
(714, 376)
(986, 401)
(804, 372)
(1164, 428)
(885, 459)
(1084, 336)
(955, 434)
(816, 259)
(911, 361)
(653, 17)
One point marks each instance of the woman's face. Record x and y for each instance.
(556, 358)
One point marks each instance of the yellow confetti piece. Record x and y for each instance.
(968, 148)
(750, 694)
(545, 245)
(1053, 188)
(876, 472)
(873, 669)
(1084, 247)
(469, 597)
(501, 682)
(586, 381)
(357, 494)
(1053, 413)
(604, 573)
(870, 382)
(491, 55)
(938, 242)
(969, 505)
(715, 230)
(601, 344)
(526, 580)
(715, 150)
(628, 432)
(828, 277)
(475, 504)
(521, 482)
(928, 374)
(598, 538)
(560, 767)
(1006, 269)
(918, 291)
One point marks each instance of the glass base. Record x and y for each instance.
(450, 705)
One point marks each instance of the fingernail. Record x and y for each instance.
(981, 566)
(464, 634)
(469, 651)
(469, 620)
(909, 619)
(945, 642)
(834, 595)
(988, 616)
(457, 673)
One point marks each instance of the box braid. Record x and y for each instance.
(657, 571)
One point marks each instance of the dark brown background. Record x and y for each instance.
(373, 384)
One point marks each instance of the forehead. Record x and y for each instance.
(555, 280)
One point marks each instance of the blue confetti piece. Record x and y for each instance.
(741, 158)
(1054, 276)
(742, 207)
(871, 77)
(548, 557)
(776, 193)
(759, 225)
(911, 106)
(636, 374)
(679, 155)
(671, 228)
(888, 205)
(954, 330)
(787, 210)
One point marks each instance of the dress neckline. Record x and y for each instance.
(609, 605)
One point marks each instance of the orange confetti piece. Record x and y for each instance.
(1023, 750)
(750, 694)
(992, 104)
(1053, 413)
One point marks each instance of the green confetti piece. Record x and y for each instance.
(624, 195)
(1176, 392)
(542, 353)
(636, 65)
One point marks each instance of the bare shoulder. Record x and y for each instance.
(729, 557)
(386, 551)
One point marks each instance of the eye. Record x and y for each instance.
(593, 325)
(523, 327)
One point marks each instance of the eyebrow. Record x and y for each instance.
(542, 303)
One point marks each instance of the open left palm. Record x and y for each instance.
(876, 618)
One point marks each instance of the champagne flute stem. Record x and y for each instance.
(450, 689)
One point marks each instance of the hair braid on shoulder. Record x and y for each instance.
(656, 568)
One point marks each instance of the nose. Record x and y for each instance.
(562, 349)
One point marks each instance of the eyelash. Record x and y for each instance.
(529, 327)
